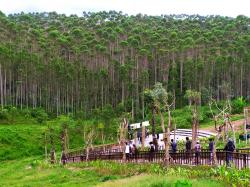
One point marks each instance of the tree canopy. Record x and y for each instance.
(70, 63)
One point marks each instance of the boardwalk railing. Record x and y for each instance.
(237, 159)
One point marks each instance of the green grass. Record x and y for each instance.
(22, 140)
(25, 137)
(160, 181)
(22, 151)
(34, 172)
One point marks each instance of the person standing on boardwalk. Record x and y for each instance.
(151, 151)
(147, 133)
(197, 148)
(173, 146)
(188, 149)
(139, 136)
(156, 146)
(63, 158)
(229, 148)
(127, 151)
(211, 149)
(188, 145)
(134, 152)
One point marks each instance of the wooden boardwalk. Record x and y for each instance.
(240, 159)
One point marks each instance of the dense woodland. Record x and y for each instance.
(69, 63)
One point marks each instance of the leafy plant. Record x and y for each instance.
(238, 105)
(183, 183)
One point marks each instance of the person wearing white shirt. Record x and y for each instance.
(127, 151)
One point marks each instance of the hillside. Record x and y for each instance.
(23, 164)
(25, 138)
(18, 141)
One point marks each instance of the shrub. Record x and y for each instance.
(182, 122)
(238, 105)
(183, 183)
(4, 115)
(40, 115)
(26, 113)
(107, 178)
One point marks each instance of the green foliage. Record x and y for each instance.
(107, 178)
(193, 96)
(36, 172)
(68, 64)
(232, 176)
(4, 115)
(10, 114)
(40, 115)
(238, 105)
(183, 183)
(239, 177)
(22, 140)
(159, 184)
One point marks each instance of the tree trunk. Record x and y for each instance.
(1, 86)
(195, 122)
(143, 137)
(153, 121)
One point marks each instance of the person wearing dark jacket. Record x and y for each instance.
(173, 146)
(188, 149)
(211, 149)
(134, 152)
(188, 145)
(229, 148)
(151, 151)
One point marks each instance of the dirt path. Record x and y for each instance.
(238, 124)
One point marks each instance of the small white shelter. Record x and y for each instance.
(139, 125)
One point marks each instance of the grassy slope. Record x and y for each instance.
(158, 180)
(25, 138)
(28, 172)
(33, 172)
(21, 140)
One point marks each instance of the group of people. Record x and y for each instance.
(229, 148)
(131, 151)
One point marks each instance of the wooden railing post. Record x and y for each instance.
(244, 161)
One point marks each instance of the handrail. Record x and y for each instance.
(242, 150)
(240, 160)
(94, 147)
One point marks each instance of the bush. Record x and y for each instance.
(40, 115)
(4, 115)
(182, 122)
(26, 113)
(238, 105)
(107, 178)
(183, 183)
